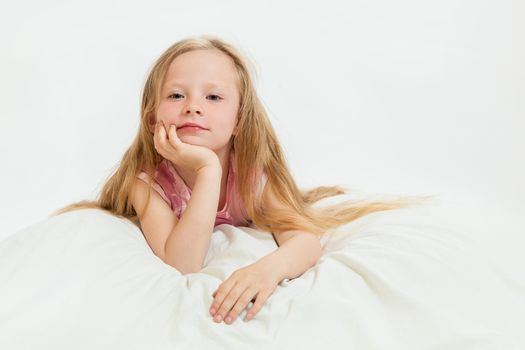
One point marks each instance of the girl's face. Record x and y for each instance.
(201, 88)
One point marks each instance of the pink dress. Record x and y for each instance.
(172, 188)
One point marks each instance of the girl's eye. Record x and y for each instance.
(216, 97)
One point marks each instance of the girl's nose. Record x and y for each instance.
(193, 109)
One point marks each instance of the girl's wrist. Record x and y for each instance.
(210, 170)
(274, 262)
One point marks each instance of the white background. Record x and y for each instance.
(399, 97)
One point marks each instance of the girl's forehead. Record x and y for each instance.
(202, 62)
(207, 68)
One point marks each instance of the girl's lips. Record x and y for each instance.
(191, 128)
(189, 124)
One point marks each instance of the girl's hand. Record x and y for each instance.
(253, 282)
(185, 155)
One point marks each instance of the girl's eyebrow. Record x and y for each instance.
(210, 84)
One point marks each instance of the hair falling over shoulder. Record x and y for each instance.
(256, 148)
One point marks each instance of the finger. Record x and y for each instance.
(172, 136)
(259, 302)
(159, 139)
(241, 304)
(158, 126)
(220, 294)
(156, 137)
(162, 131)
(165, 130)
(229, 301)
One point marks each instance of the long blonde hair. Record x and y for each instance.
(256, 147)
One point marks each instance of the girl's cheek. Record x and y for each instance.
(167, 114)
(163, 109)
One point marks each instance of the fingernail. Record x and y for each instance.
(218, 318)
(212, 311)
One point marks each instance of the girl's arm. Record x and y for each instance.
(181, 243)
(189, 240)
(298, 251)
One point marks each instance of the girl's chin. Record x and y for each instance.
(192, 140)
(197, 141)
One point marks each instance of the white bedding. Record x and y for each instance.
(402, 279)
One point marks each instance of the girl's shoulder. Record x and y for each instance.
(145, 172)
(145, 176)
(167, 183)
(163, 171)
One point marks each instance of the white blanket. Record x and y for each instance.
(401, 279)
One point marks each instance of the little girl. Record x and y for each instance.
(206, 147)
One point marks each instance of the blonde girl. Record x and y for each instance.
(206, 147)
